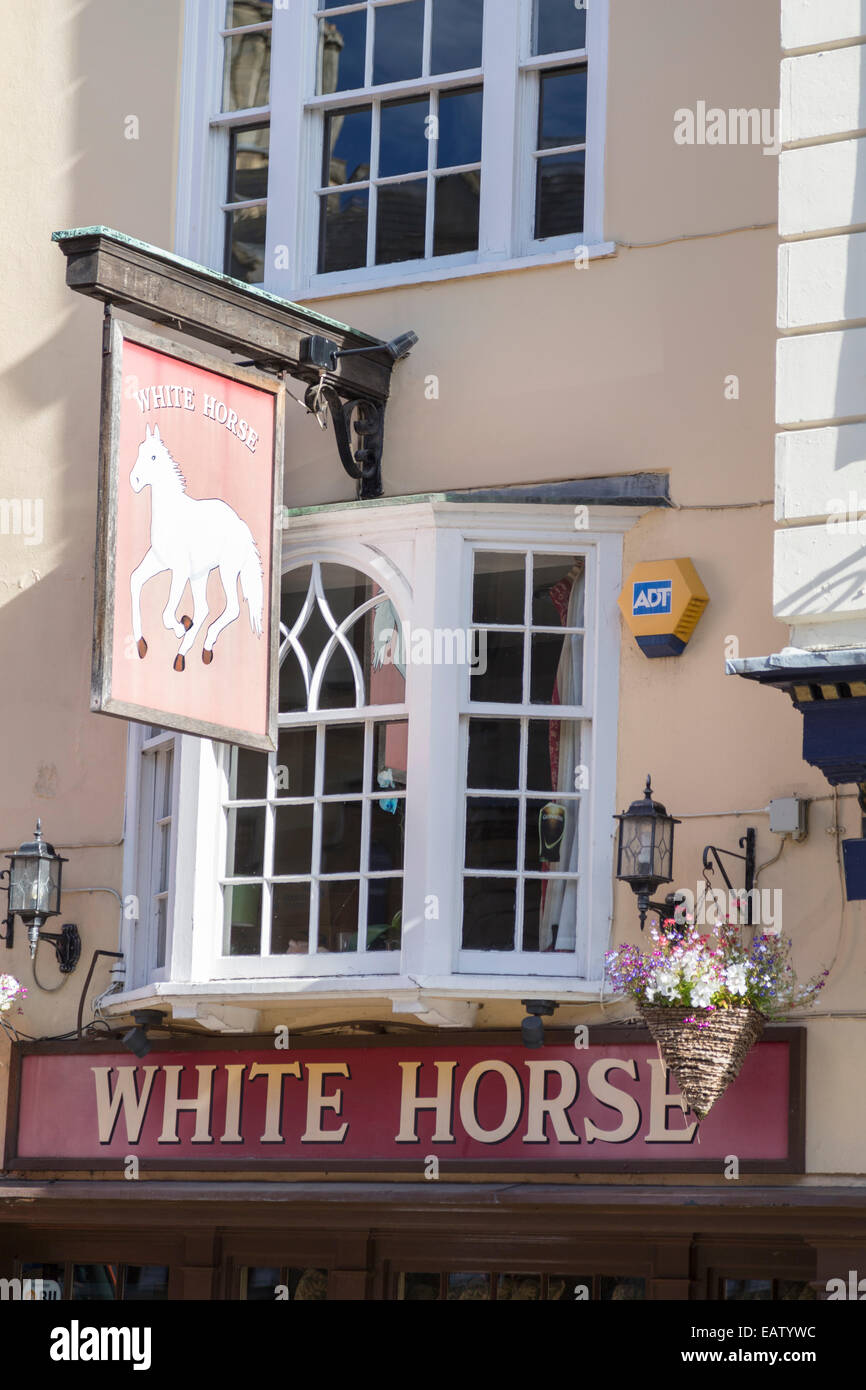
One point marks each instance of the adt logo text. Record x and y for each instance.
(652, 597)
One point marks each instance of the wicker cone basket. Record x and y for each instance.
(704, 1060)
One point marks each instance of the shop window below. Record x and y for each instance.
(99, 1282)
(267, 1283)
(455, 1286)
(766, 1291)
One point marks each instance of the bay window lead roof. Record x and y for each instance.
(164, 288)
(623, 490)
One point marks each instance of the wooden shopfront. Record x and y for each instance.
(392, 1168)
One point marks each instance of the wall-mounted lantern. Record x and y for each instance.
(645, 850)
(34, 875)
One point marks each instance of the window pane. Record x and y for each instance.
(614, 1289)
(498, 589)
(398, 42)
(343, 231)
(488, 914)
(293, 839)
(245, 244)
(494, 753)
(307, 1285)
(403, 144)
(94, 1283)
(290, 930)
(248, 776)
(562, 109)
(400, 222)
(338, 916)
(553, 755)
(51, 1275)
(390, 755)
(241, 12)
(797, 1290)
(247, 71)
(458, 205)
(551, 836)
(296, 762)
(246, 842)
(386, 834)
(344, 759)
(557, 591)
(419, 1288)
(248, 163)
(342, 51)
(347, 146)
(558, 26)
(491, 832)
(457, 27)
(161, 932)
(384, 913)
(341, 837)
(502, 682)
(559, 194)
(243, 912)
(566, 1288)
(338, 690)
(259, 1285)
(468, 1286)
(459, 140)
(556, 670)
(145, 1283)
(748, 1290)
(518, 1288)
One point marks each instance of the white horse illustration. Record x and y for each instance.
(191, 537)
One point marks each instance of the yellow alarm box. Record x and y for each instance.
(661, 603)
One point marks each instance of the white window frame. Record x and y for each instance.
(509, 74)
(421, 554)
(141, 865)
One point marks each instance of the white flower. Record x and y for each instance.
(735, 978)
(702, 993)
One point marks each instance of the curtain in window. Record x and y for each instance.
(559, 896)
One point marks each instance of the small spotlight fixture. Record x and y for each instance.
(324, 353)
(532, 1028)
(136, 1040)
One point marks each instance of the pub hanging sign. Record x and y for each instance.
(186, 624)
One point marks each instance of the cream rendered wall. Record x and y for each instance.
(72, 74)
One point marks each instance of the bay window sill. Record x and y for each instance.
(373, 278)
(190, 1000)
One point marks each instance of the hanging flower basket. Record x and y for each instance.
(705, 1000)
(704, 1048)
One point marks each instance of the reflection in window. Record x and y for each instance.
(525, 773)
(246, 87)
(410, 166)
(265, 1284)
(517, 1288)
(315, 832)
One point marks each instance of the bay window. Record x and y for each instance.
(439, 808)
(379, 141)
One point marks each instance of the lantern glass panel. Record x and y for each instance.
(636, 859)
(664, 848)
(24, 890)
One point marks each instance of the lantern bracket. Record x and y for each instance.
(67, 945)
(747, 843)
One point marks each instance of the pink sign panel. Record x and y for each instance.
(472, 1105)
(187, 603)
